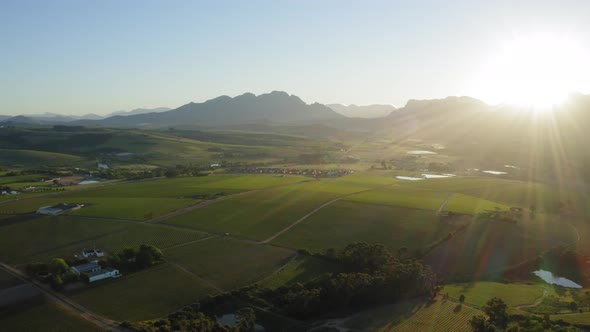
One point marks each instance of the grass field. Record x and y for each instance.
(462, 203)
(513, 294)
(143, 295)
(46, 317)
(413, 316)
(345, 222)
(229, 263)
(45, 237)
(402, 196)
(300, 270)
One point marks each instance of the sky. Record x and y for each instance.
(79, 57)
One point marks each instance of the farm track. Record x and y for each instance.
(189, 243)
(198, 277)
(442, 206)
(63, 301)
(298, 221)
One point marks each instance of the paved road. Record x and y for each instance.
(60, 299)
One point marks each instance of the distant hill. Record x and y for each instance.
(138, 111)
(368, 111)
(271, 108)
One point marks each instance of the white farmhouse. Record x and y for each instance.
(95, 272)
(102, 166)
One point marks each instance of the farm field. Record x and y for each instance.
(461, 203)
(257, 215)
(46, 317)
(217, 260)
(403, 196)
(345, 222)
(477, 250)
(8, 280)
(40, 238)
(147, 294)
(146, 199)
(300, 270)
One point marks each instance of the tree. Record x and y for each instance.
(246, 319)
(497, 319)
(58, 266)
(573, 306)
(462, 298)
(129, 253)
(496, 311)
(148, 255)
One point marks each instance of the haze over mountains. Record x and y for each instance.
(368, 111)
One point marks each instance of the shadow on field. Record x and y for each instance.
(19, 218)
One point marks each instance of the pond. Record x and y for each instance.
(409, 178)
(420, 152)
(424, 176)
(230, 319)
(549, 278)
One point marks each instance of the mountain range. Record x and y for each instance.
(368, 111)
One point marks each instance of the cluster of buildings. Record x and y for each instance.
(316, 173)
(95, 272)
(9, 192)
(58, 209)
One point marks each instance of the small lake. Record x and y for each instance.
(424, 177)
(409, 178)
(88, 182)
(549, 278)
(420, 152)
(495, 172)
(437, 176)
(230, 319)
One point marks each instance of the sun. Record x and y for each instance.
(537, 71)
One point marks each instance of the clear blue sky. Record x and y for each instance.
(79, 57)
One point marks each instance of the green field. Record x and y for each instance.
(228, 263)
(257, 215)
(345, 222)
(513, 294)
(146, 199)
(40, 238)
(147, 294)
(410, 316)
(46, 317)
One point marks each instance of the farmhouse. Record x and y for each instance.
(102, 166)
(86, 268)
(9, 192)
(89, 253)
(58, 209)
(95, 272)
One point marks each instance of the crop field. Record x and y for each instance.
(146, 199)
(143, 295)
(402, 196)
(488, 247)
(46, 237)
(257, 215)
(462, 203)
(300, 270)
(46, 317)
(414, 316)
(345, 222)
(229, 263)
